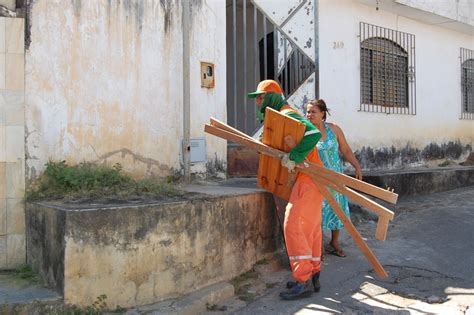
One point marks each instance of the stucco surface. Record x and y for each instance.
(104, 82)
(437, 121)
(142, 254)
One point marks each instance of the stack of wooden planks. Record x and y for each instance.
(273, 178)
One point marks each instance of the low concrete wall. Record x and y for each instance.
(147, 253)
(423, 181)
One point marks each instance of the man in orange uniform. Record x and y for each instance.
(302, 227)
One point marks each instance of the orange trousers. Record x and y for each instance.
(302, 229)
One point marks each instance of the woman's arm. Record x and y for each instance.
(346, 150)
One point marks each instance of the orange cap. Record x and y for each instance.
(265, 87)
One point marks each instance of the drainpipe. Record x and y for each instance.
(186, 93)
(316, 47)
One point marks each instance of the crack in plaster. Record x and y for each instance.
(137, 157)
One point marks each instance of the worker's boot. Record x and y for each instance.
(298, 291)
(314, 281)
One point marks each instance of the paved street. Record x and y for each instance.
(429, 254)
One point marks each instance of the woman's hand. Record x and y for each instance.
(358, 173)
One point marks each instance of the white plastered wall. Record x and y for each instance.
(438, 86)
(208, 44)
(104, 82)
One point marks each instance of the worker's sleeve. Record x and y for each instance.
(309, 141)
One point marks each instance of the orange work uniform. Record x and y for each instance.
(303, 218)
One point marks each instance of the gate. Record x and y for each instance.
(270, 39)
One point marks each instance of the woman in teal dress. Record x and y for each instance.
(331, 146)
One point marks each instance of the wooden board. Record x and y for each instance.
(331, 179)
(321, 181)
(359, 241)
(343, 179)
(271, 175)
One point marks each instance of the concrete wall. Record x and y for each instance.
(12, 143)
(381, 140)
(143, 254)
(9, 4)
(208, 44)
(458, 10)
(104, 83)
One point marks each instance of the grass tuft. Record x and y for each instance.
(94, 181)
(26, 273)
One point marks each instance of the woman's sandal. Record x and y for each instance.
(336, 252)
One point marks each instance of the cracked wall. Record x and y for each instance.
(104, 83)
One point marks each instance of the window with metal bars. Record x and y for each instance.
(387, 70)
(467, 83)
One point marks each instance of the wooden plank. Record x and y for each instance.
(366, 188)
(382, 227)
(359, 185)
(250, 143)
(382, 224)
(351, 194)
(386, 195)
(365, 249)
(347, 223)
(271, 175)
(217, 123)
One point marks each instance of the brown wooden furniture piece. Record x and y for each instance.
(323, 178)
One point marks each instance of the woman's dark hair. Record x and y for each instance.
(321, 105)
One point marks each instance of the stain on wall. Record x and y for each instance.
(166, 6)
(143, 254)
(104, 83)
(410, 156)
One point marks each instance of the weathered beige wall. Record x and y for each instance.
(12, 143)
(9, 4)
(144, 254)
(104, 82)
(208, 44)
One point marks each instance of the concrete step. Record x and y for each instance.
(24, 296)
(198, 302)
(137, 254)
(19, 296)
(418, 181)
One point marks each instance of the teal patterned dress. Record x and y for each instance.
(329, 153)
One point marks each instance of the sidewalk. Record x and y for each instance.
(428, 255)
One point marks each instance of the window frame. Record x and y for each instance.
(396, 89)
(467, 78)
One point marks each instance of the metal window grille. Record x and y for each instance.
(387, 70)
(467, 83)
(258, 50)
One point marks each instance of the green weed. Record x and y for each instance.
(93, 181)
(249, 275)
(26, 273)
